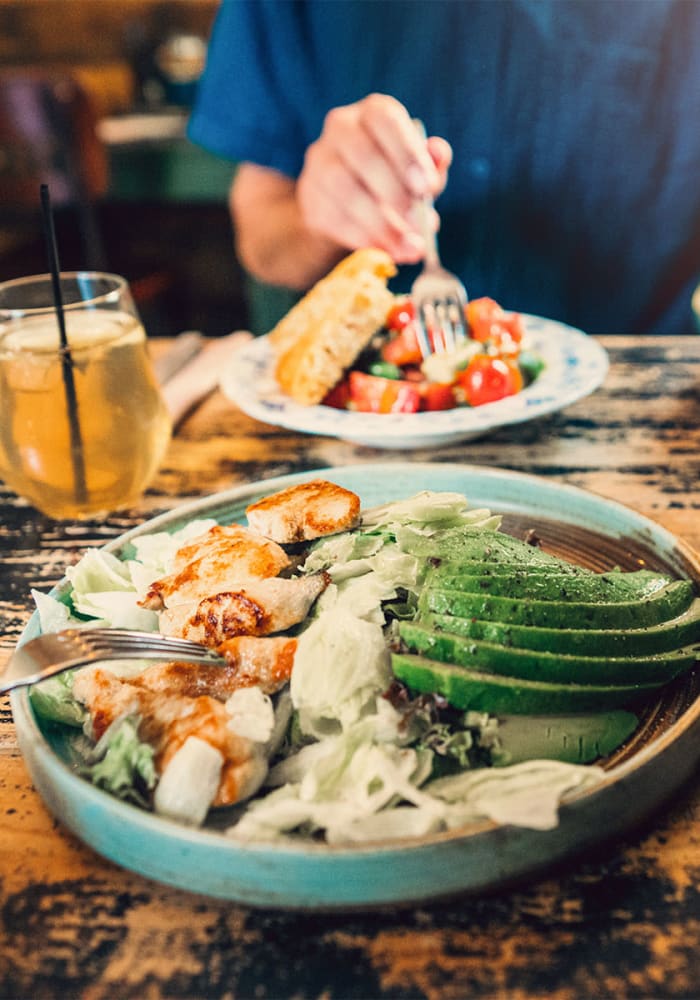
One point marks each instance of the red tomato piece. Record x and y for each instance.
(481, 313)
(339, 396)
(487, 379)
(487, 321)
(374, 394)
(400, 315)
(403, 348)
(439, 396)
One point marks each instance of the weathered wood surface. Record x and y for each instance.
(624, 922)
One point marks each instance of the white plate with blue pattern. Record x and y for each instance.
(575, 366)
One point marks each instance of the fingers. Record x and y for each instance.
(362, 177)
(403, 147)
(441, 153)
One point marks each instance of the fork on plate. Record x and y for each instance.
(438, 295)
(54, 652)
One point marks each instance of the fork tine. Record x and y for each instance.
(425, 328)
(446, 324)
(56, 652)
(444, 318)
(455, 318)
(144, 643)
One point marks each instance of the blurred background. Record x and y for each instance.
(94, 98)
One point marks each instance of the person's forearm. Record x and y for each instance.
(272, 242)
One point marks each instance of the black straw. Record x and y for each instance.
(76, 439)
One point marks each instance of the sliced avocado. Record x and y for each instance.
(444, 569)
(680, 631)
(464, 543)
(558, 667)
(669, 602)
(471, 689)
(593, 588)
(575, 739)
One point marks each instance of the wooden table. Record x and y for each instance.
(623, 922)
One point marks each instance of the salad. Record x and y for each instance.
(391, 375)
(345, 752)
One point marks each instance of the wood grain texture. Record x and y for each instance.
(622, 922)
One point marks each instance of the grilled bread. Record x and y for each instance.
(324, 332)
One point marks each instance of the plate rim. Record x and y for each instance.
(42, 759)
(553, 338)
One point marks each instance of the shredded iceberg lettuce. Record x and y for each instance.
(53, 700)
(528, 793)
(157, 550)
(341, 666)
(54, 614)
(121, 763)
(426, 509)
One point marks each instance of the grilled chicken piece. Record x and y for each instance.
(306, 511)
(167, 721)
(251, 661)
(259, 608)
(223, 558)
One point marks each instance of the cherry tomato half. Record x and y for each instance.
(400, 315)
(487, 321)
(487, 379)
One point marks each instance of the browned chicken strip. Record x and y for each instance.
(259, 608)
(251, 661)
(223, 558)
(167, 721)
(306, 511)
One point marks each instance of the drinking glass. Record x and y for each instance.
(83, 425)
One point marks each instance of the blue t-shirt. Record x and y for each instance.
(575, 187)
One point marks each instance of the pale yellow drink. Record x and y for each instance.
(122, 420)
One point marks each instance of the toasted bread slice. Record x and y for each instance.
(323, 333)
(306, 511)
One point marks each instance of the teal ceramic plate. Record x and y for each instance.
(657, 759)
(575, 365)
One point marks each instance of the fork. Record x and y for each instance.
(439, 297)
(55, 652)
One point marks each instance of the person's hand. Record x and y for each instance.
(364, 175)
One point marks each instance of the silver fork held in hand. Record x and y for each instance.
(438, 295)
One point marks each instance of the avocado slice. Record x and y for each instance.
(669, 602)
(443, 569)
(574, 739)
(594, 588)
(680, 631)
(482, 692)
(559, 667)
(466, 543)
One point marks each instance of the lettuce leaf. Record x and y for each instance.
(341, 666)
(121, 763)
(53, 699)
